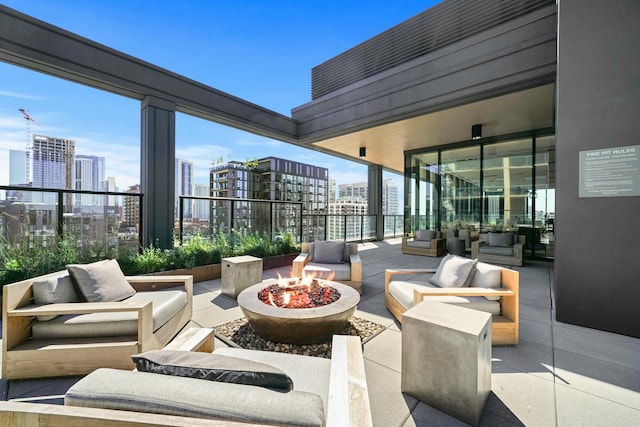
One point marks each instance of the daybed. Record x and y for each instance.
(499, 248)
(325, 393)
(425, 242)
(465, 282)
(49, 330)
(333, 260)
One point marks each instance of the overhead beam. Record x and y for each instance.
(30, 43)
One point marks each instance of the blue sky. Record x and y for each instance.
(261, 51)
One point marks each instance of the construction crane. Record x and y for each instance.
(29, 119)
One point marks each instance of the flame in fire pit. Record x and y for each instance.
(305, 292)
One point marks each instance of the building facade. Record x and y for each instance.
(184, 187)
(53, 164)
(298, 187)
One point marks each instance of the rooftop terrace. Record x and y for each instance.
(558, 375)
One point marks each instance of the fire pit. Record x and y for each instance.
(298, 311)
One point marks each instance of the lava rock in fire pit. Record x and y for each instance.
(295, 295)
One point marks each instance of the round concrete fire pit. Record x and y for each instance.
(298, 325)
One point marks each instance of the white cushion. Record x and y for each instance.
(101, 281)
(52, 291)
(454, 272)
(487, 276)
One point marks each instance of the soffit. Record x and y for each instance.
(516, 112)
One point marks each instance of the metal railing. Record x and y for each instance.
(40, 216)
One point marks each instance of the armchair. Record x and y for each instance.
(334, 260)
(499, 248)
(425, 242)
(491, 289)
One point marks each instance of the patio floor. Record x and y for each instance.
(558, 375)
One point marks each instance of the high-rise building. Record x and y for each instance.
(18, 167)
(111, 186)
(201, 208)
(390, 202)
(132, 209)
(344, 222)
(183, 186)
(270, 178)
(53, 163)
(89, 172)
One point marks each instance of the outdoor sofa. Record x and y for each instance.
(54, 326)
(466, 283)
(325, 392)
(425, 242)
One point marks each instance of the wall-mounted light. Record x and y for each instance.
(476, 131)
(363, 152)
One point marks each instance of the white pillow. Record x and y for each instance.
(454, 272)
(487, 276)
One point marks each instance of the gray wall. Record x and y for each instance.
(597, 265)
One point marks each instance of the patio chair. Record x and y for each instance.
(465, 283)
(333, 260)
(499, 248)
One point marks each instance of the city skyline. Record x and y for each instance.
(248, 53)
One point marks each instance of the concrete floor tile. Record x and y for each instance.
(425, 415)
(389, 407)
(527, 357)
(49, 389)
(385, 349)
(215, 316)
(529, 398)
(599, 378)
(539, 332)
(535, 313)
(577, 408)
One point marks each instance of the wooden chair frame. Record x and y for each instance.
(356, 265)
(438, 246)
(504, 328)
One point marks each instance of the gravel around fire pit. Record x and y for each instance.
(239, 333)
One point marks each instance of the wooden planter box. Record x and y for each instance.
(212, 271)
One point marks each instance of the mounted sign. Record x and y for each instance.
(610, 172)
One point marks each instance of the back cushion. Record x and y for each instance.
(501, 239)
(52, 291)
(425, 234)
(328, 252)
(454, 272)
(487, 276)
(101, 281)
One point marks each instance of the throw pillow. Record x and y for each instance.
(52, 291)
(328, 252)
(454, 272)
(101, 281)
(213, 367)
(487, 276)
(425, 235)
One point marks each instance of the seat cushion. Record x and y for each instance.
(190, 397)
(101, 281)
(53, 290)
(212, 367)
(496, 250)
(166, 303)
(297, 367)
(340, 272)
(402, 291)
(423, 244)
(454, 272)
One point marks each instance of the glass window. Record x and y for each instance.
(460, 182)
